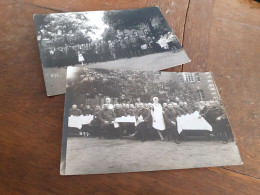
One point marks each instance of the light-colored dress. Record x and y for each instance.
(81, 58)
(157, 114)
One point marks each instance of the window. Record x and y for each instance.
(189, 77)
(198, 77)
(200, 94)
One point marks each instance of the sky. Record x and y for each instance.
(95, 19)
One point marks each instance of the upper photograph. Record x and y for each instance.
(136, 39)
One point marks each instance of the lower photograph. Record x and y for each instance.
(119, 121)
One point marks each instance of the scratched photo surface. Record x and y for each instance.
(128, 121)
(137, 39)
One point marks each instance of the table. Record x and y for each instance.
(78, 121)
(124, 119)
(192, 122)
(220, 36)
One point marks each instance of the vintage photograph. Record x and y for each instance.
(128, 121)
(136, 39)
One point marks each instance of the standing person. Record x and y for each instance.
(170, 116)
(112, 49)
(108, 102)
(157, 115)
(129, 46)
(88, 51)
(123, 46)
(165, 107)
(117, 48)
(138, 102)
(80, 58)
(143, 119)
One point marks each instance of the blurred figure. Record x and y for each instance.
(143, 118)
(108, 102)
(170, 120)
(165, 107)
(107, 117)
(157, 115)
(74, 111)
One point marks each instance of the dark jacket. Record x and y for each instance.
(87, 111)
(106, 115)
(169, 116)
(75, 112)
(145, 113)
(119, 112)
(130, 112)
(185, 109)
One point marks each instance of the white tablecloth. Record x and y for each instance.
(192, 122)
(124, 119)
(78, 121)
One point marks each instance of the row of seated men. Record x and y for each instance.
(103, 119)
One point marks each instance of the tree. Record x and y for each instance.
(131, 19)
(65, 28)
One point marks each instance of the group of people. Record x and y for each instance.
(156, 118)
(102, 51)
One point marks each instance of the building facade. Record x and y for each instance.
(202, 83)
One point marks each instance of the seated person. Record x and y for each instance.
(119, 112)
(133, 109)
(74, 111)
(184, 108)
(107, 117)
(88, 110)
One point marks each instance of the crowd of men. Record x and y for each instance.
(104, 117)
(102, 51)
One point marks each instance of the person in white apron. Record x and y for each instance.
(157, 114)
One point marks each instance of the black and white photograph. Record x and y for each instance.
(129, 121)
(135, 39)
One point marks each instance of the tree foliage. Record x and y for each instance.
(65, 28)
(131, 19)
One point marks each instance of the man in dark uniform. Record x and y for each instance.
(165, 107)
(123, 46)
(129, 112)
(129, 46)
(220, 122)
(184, 108)
(178, 109)
(104, 51)
(107, 117)
(133, 109)
(88, 110)
(119, 112)
(170, 121)
(143, 118)
(98, 51)
(88, 52)
(74, 111)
